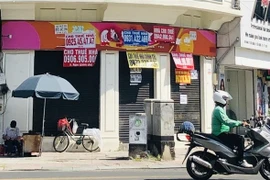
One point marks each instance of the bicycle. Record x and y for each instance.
(67, 134)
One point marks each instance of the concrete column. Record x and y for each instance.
(249, 93)
(207, 104)
(17, 66)
(162, 78)
(109, 100)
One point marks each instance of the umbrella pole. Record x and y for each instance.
(43, 118)
(43, 125)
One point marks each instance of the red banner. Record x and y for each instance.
(83, 57)
(183, 61)
(164, 34)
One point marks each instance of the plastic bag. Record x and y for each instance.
(93, 132)
(75, 127)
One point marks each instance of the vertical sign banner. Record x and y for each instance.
(182, 76)
(164, 34)
(79, 57)
(255, 27)
(183, 61)
(80, 40)
(142, 59)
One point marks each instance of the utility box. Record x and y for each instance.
(137, 134)
(149, 111)
(162, 140)
(138, 129)
(163, 124)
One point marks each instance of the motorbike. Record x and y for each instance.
(217, 158)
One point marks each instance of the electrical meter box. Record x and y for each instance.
(138, 129)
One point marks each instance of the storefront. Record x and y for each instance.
(186, 95)
(243, 60)
(262, 93)
(114, 67)
(135, 85)
(86, 81)
(239, 82)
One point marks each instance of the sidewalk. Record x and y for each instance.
(52, 161)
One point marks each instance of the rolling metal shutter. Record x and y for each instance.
(131, 98)
(84, 79)
(192, 110)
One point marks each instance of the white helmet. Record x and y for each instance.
(221, 97)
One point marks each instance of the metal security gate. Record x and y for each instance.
(84, 79)
(131, 97)
(192, 110)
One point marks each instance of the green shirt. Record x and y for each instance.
(221, 122)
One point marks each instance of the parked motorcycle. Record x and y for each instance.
(217, 158)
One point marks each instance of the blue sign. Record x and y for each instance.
(135, 38)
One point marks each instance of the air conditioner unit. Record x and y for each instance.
(236, 4)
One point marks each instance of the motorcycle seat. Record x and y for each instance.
(211, 136)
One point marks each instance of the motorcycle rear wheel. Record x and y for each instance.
(193, 171)
(265, 170)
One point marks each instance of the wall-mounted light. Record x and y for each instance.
(7, 36)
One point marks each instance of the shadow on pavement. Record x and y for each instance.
(185, 179)
(117, 158)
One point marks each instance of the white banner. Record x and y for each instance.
(80, 40)
(255, 25)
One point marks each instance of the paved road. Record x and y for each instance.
(131, 174)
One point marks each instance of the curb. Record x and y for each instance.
(98, 168)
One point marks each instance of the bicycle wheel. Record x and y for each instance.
(89, 144)
(61, 143)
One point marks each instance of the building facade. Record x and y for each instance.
(243, 60)
(42, 37)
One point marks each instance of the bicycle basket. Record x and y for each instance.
(62, 124)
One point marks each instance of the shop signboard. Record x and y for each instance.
(135, 37)
(164, 34)
(142, 59)
(182, 76)
(254, 25)
(80, 40)
(80, 57)
(116, 36)
(183, 61)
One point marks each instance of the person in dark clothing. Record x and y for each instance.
(12, 138)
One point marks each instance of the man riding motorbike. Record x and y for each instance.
(221, 125)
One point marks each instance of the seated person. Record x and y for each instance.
(12, 138)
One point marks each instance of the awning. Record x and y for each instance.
(142, 59)
(243, 58)
(183, 61)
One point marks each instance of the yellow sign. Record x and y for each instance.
(142, 60)
(182, 77)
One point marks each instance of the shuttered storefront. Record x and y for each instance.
(131, 97)
(192, 110)
(84, 79)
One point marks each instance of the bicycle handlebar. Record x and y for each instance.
(71, 119)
